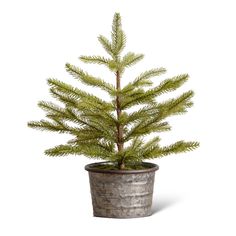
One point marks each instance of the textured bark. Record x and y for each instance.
(120, 145)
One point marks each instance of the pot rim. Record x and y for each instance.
(92, 168)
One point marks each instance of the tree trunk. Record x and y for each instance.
(120, 145)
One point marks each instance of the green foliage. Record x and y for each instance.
(131, 59)
(143, 80)
(88, 79)
(94, 59)
(105, 129)
(117, 35)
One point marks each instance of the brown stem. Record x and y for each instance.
(120, 145)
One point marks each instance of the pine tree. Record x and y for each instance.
(106, 130)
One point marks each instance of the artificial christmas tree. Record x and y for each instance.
(107, 130)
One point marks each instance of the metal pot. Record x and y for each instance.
(121, 193)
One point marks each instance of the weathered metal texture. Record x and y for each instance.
(122, 195)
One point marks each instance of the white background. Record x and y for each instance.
(194, 192)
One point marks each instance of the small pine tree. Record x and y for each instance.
(106, 130)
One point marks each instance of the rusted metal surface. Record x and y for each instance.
(122, 195)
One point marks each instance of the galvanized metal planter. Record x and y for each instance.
(121, 193)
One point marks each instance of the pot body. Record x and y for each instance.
(122, 194)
